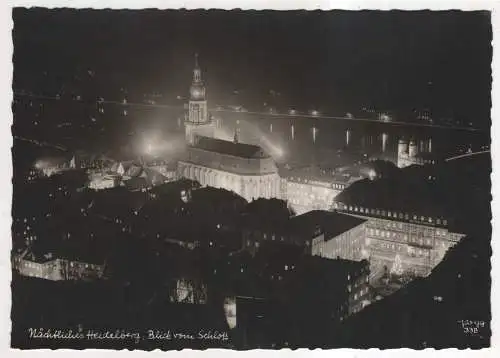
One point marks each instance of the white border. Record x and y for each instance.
(6, 166)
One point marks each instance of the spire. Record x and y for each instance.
(197, 70)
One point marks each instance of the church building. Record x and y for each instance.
(242, 168)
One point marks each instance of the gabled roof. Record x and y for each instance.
(230, 148)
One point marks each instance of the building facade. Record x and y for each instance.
(58, 269)
(101, 181)
(312, 188)
(409, 154)
(395, 242)
(242, 168)
(315, 232)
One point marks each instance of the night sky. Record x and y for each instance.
(392, 60)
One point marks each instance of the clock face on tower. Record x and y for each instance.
(197, 92)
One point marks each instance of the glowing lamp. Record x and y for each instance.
(278, 152)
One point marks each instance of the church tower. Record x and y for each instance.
(197, 121)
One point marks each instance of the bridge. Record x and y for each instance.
(268, 114)
(466, 155)
(42, 144)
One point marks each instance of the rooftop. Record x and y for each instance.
(313, 174)
(396, 195)
(330, 223)
(311, 224)
(230, 148)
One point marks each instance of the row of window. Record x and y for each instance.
(391, 214)
(300, 186)
(32, 265)
(394, 235)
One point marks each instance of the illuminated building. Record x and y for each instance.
(83, 160)
(56, 269)
(103, 181)
(198, 121)
(395, 241)
(244, 169)
(136, 176)
(409, 154)
(311, 231)
(50, 166)
(311, 189)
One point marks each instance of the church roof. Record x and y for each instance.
(230, 148)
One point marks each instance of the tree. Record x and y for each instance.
(397, 267)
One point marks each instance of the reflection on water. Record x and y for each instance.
(300, 139)
(305, 138)
(385, 137)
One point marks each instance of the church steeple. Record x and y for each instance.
(197, 120)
